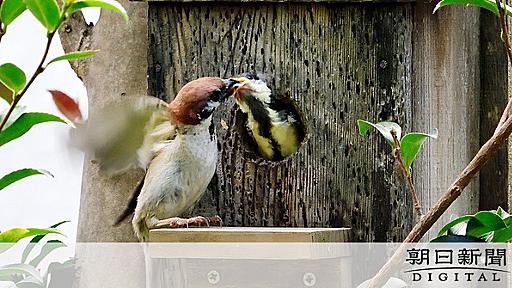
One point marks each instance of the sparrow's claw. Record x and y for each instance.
(174, 222)
(198, 221)
(215, 220)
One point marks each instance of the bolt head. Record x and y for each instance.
(213, 277)
(309, 279)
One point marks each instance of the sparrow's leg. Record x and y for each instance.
(177, 222)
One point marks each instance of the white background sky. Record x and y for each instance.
(40, 201)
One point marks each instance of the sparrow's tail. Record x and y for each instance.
(132, 204)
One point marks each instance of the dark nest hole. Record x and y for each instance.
(250, 148)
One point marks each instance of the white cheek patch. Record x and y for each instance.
(260, 91)
(208, 108)
(212, 104)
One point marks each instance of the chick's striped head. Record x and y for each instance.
(273, 120)
(198, 99)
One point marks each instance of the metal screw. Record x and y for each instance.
(383, 64)
(309, 279)
(213, 277)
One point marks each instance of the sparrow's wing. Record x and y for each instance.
(126, 135)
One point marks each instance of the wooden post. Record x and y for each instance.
(446, 87)
(493, 99)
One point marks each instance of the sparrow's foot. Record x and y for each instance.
(198, 221)
(215, 220)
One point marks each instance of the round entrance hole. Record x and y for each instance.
(297, 121)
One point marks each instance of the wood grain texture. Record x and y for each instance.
(340, 63)
(123, 58)
(446, 81)
(493, 99)
(251, 234)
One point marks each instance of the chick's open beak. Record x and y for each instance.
(236, 86)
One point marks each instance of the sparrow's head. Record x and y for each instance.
(197, 100)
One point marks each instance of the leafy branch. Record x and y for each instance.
(38, 71)
(405, 149)
(407, 175)
(13, 81)
(502, 132)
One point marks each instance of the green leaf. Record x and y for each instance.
(20, 174)
(12, 77)
(15, 234)
(16, 113)
(383, 127)
(486, 4)
(45, 250)
(502, 235)
(29, 282)
(10, 10)
(448, 226)
(46, 11)
(56, 266)
(23, 124)
(410, 145)
(73, 55)
(56, 269)
(502, 213)
(36, 240)
(484, 222)
(107, 4)
(7, 271)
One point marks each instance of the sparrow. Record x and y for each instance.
(175, 143)
(272, 120)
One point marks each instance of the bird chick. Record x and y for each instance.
(175, 143)
(273, 121)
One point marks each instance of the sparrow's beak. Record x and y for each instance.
(237, 85)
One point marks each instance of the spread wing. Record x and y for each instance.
(126, 135)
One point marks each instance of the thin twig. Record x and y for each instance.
(407, 175)
(446, 200)
(38, 71)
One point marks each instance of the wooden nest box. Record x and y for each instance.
(340, 60)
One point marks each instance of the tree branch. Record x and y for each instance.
(502, 132)
(38, 71)
(407, 175)
(506, 41)
(446, 200)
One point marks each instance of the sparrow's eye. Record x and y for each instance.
(216, 95)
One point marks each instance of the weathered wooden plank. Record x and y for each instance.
(251, 234)
(446, 91)
(493, 99)
(340, 63)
